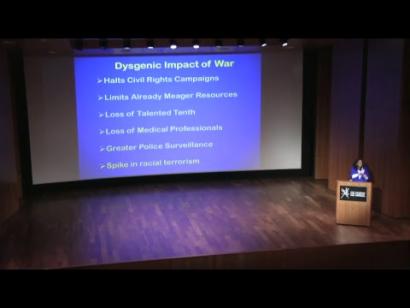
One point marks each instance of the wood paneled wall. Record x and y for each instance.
(10, 189)
(324, 61)
(404, 134)
(345, 104)
(369, 110)
(385, 146)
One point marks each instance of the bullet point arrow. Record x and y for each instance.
(100, 97)
(101, 132)
(102, 166)
(99, 80)
(101, 115)
(101, 149)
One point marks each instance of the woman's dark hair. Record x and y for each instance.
(356, 161)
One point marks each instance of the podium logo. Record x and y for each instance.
(345, 193)
(353, 193)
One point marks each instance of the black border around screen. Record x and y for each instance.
(308, 125)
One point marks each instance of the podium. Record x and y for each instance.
(353, 203)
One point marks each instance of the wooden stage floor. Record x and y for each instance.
(141, 222)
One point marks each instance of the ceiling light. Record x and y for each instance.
(173, 44)
(127, 44)
(150, 44)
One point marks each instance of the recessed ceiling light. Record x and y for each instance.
(150, 44)
(284, 42)
(173, 44)
(127, 44)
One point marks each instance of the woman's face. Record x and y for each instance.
(359, 163)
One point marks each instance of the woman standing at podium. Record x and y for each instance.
(359, 172)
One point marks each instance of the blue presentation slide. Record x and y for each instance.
(147, 115)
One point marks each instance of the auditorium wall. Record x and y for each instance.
(344, 115)
(324, 58)
(10, 189)
(368, 117)
(386, 125)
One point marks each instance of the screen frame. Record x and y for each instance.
(308, 125)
